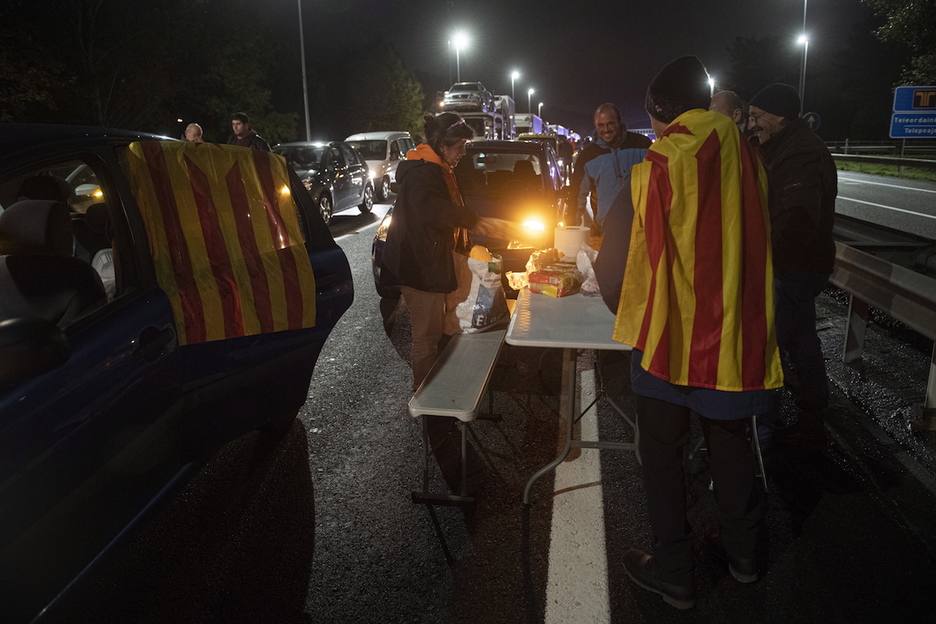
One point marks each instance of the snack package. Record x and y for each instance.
(554, 281)
(542, 259)
(585, 272)
(517, 280)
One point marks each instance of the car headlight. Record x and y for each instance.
(372, 174)
(383, 228)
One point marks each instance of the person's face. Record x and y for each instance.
(193, 133)
(240, 128)
(451, 154)
(607, 126)
(764, 124)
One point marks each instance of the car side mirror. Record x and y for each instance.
(30, 347)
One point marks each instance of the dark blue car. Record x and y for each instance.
(157, 300)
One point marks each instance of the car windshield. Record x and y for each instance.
(466, 86)
(492, 174)
(371, 150)
(302, 157)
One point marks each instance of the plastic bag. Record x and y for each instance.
(486, 304)
(585, 272)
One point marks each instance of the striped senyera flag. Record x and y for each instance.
(225, 238)
(698, 286)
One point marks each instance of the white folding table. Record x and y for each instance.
(568, 323)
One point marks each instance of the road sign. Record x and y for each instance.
(812, 120)
(915, 99)
(914, 113)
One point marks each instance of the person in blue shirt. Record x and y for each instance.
(603, 167)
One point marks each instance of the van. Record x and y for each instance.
(382, 151)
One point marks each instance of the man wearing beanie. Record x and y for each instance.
(697, 307)
(803, 186)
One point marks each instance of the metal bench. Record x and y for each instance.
(454, 388)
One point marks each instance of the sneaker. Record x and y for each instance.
(639, 567)
(743, 569)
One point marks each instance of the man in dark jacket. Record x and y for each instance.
(244, 135)
(802, 187)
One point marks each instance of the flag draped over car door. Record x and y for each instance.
(225, 238)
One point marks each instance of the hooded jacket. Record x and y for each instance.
(803, 186)
(426, 227)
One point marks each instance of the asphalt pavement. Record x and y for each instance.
(321, 528)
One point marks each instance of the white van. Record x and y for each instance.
(383, 151)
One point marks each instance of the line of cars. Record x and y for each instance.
(341, 175)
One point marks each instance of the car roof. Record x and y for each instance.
(369, 136)
(19, 139)
(526, 147)
(308, 144)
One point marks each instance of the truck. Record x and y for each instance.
(505, 105)
(529, 123)
(485, 125)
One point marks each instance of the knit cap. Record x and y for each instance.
(683, 84)
(778, 99)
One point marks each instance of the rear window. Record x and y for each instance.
(483, 173)
(371, 150)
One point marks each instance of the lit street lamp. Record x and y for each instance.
(539, 109)
(460, 40)
(513, 76)
(803, 41)
(305, 82)
(529, 104)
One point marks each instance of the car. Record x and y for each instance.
(225, 284)
(382, 151)
(471, 96)
(518, 181)
(334, 174)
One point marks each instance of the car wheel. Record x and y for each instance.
(384, 191)
(325, 207)
(368, 204)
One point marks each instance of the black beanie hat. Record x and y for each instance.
(682, 85)
(778, 99)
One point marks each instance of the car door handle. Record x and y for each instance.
(153, 342)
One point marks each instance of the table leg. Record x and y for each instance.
(569, 364)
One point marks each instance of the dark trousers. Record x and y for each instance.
(797, 338)
(664, 433)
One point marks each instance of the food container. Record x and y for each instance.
(554, 281)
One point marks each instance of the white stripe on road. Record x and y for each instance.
(906, 188)
(867, 203)
(577, 585)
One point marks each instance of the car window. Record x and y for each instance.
(370, 150)
(395, 152)
(482, 173)
(301, 157)
(88, 263)
(351, 156)
(408, 144)
(337, 159)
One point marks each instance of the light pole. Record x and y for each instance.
(513, 76)
(305, 82)
(460, 40)
(539, 109)
(803, 41)
(529, 104)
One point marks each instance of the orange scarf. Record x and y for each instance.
(424, 152)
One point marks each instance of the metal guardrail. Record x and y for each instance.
(920, 163)
(905, 295)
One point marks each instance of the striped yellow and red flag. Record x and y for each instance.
(225, 238)
(698, 287)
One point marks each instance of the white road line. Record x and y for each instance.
(867, 203)
(577, 585)
(908, 188)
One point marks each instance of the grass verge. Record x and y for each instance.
(907, 173)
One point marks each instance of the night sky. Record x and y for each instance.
(576, 54)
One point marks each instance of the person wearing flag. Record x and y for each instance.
(696, 305)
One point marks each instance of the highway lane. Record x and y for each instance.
(906, 205)
(320, 528)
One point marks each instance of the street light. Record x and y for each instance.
(513, 76)
(460, 40)
(305, 82)
(711, 83)
(539, 109)
(529, 95)
(803, 41)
